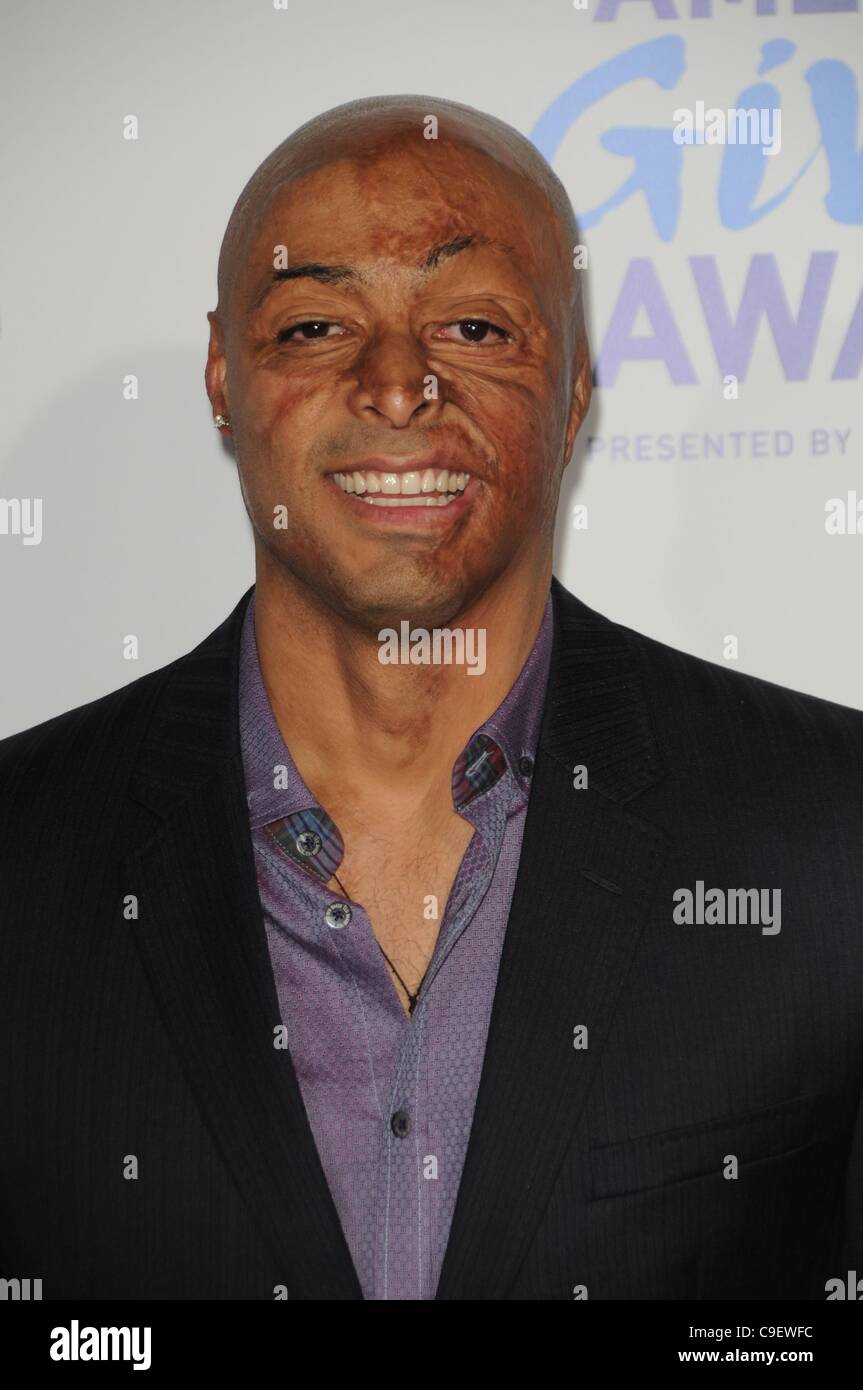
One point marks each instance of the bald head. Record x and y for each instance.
(367, 130)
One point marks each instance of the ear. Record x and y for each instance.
(582, 390)
(215, 372)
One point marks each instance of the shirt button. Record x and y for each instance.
(309, 843)
(400, 1123)
(337, 915)
(525, 765)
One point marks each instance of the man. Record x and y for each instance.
(423, 933)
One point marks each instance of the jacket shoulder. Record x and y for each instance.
(709, 699)
(86, 750)
(694, 701)
(79, 746)
(698, 675)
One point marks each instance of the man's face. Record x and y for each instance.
(401, 375)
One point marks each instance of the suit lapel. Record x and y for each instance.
(585, 878)
(202, 940)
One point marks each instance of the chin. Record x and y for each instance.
(384, 601)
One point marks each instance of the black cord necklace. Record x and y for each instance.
(412, 998)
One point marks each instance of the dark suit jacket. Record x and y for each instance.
(598, 1168)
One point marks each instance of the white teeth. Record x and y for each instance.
(429, 487)
(438, 500)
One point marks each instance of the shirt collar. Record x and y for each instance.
(278, 798)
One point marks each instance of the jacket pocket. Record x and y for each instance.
(694, 1151)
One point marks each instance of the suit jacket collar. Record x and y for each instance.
(595, 706)
(586, 873)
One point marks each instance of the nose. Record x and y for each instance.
(393, 383)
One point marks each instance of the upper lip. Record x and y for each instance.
(404, 464)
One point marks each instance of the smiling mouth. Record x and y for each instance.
(429, 487)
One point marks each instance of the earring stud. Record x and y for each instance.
(220, 421)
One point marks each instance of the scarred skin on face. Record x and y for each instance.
(453, 262)
(304, 408)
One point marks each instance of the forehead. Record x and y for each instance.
(397, 206)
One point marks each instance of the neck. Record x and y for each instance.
(385, 735)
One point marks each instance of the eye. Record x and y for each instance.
(309, 329)
(476, 331)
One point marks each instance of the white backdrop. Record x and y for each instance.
(704, 263)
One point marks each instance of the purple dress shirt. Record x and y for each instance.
(389, 1097)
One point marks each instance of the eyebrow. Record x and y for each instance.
(347, 274)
